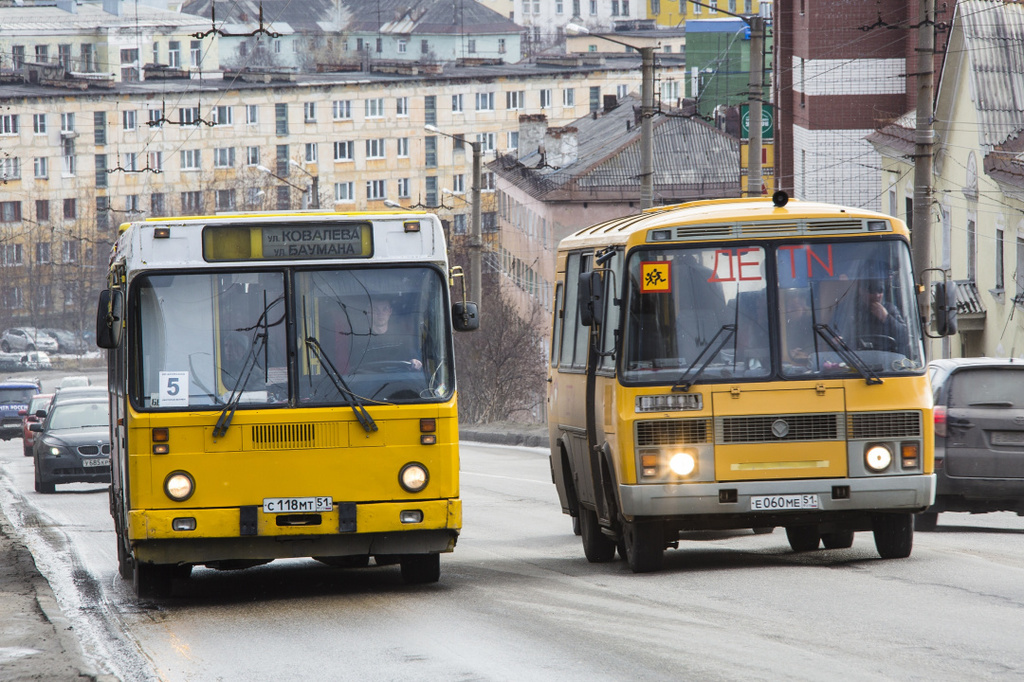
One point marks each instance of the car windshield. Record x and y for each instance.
(79, 416)
(16, 395)
(798, 310)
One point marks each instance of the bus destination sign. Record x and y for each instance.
(339, 240)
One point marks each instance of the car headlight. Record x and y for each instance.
(877, 457)
(413, 477)
(683, 463)
(179, 486)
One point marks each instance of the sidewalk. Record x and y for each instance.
(506, 433)
(36, 641)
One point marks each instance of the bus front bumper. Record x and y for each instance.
(730, 502)
(245, 534)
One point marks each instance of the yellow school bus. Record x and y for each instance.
(734, 364)
(281, 385)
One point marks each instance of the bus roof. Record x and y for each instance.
(306, 237)
(718, 219)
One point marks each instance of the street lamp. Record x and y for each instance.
(476, 243)
(316, 182)
(304, 190)
(392, 204)
(646, 110)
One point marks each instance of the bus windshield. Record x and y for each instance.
(713, 313)
(218, 339)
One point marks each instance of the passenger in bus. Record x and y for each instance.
(872, 323)
(384, 343)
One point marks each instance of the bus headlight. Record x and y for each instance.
(877, 457)
(683, 463)
(179, 486)
(413, 477)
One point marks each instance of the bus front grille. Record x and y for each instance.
(779, 428)
(290, 436)
(672, 432)
(884, 425)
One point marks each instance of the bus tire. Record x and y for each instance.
(598, 547)
(894, 535)
(645, 545)
(803, 538)
(419, 569)
(926, 522)
(152, 580)
(838, 539)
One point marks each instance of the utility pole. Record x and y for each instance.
(924, 136)
(476, 243)
(756, 24)
(646, 127)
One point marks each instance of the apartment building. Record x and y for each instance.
(78, 162)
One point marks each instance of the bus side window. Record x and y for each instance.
(570, 317)
(612, 312)
(556, 327)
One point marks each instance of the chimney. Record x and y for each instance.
(610, 102)
(562, 146)
(531, 133)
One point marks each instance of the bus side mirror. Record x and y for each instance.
(465, 317)
(590, 298)
(109, 318)
(944, 308)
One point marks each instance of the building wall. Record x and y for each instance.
(545, 20)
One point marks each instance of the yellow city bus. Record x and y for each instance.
(731, 364)
(282, 385)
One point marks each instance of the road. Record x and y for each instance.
(517, 600)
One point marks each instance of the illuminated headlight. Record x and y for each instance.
(55, 451)
(877, 457)
(179, 486)
(682, 463)
(413, 477)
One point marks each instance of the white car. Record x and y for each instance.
(19, 339)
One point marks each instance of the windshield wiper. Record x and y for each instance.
(228, 413)
(714, 346)
(339, 383)
(848, 355)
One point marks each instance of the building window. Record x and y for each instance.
(999, 259)
(156, 118)
(18, 56)
(471, 46)
(223, 157)
(310, 153)
(375, 190)
(430, 152)
(375, 148)
(12, 254)
(375, 107)
(67, 152)
(485, 101)
(131, 162)
(344, 192)
(972, 251)
(191, 203)
(252, 114)
(42, 253)
(344, 150)
(67, 123)
(252, 156)
(225, 199)
(173, 54)
(281, 118)
(569, 97)
(128, 120)
(459, 223)
(10, 168)
(621, 91)
(132, 205)
(501, 46)
(309, 112)
(341, 110)
(512, 139)
(156, 161)
(402, 106)
(487, 182)
(10, 211)
(430, 190)
(189, 116)
(191, 159)
(459, 183)
(39, 124)
(99, 126)
(486, 141)
(223, 116)
(514, 99)
(403, 188)
(595, 98)
(403, 147)
(9, 124)
(12, 297)
(457, 104)
(195, 52)
(42, 211)
(403, 46)
(69, 250)
(103, 213)
(157, 205)
(70, 209)
(545, 99)
(430, 110)
(101, 170)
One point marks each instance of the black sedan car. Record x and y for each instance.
(73, 444)
(979, 437)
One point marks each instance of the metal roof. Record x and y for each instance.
(279, 16)
(427, 17)
(87, 19)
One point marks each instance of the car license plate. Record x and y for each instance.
(89, 463)
(1008, 438)
(783, 502)
(292, 505)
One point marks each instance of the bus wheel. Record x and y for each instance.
(839, 539)
(598, 547)
(418, 569)
(645, 545)
(152, 580)
(926, 521)
(803, 538)
(894, 535)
